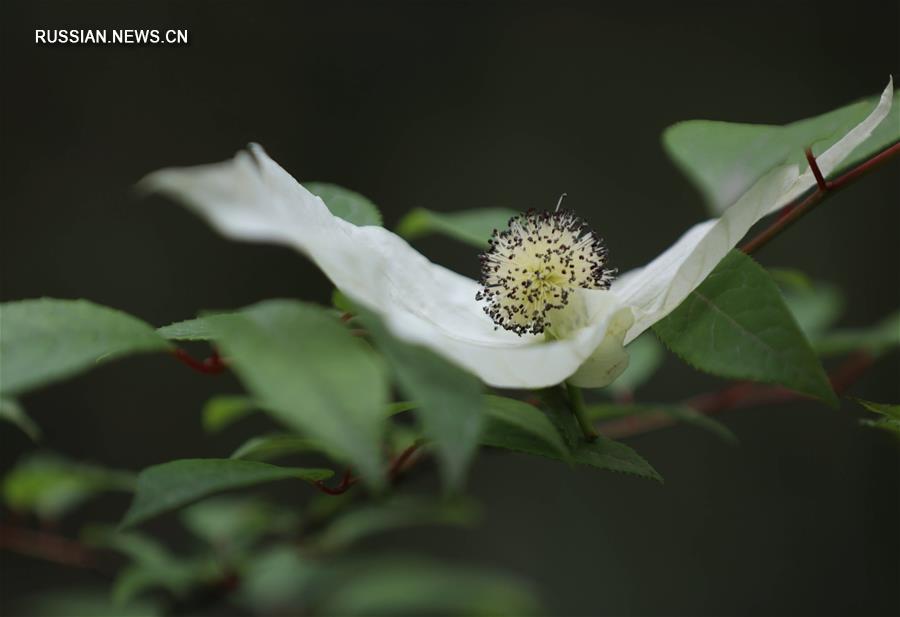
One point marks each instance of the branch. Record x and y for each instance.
(794, 212)
(737, 396)
(213, 365)
(49, 547)
(399, 464)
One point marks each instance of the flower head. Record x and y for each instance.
(532, 268)
(251, 198)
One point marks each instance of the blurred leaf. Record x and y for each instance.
(46, 340)
(274, 445)
(411, 586)
(724, 159)
(231, 522)
(515, 425)
(188, 330)
(399, 407)
(139, 548)
(222, 411)
(471, 226)
(347, 204)
(890, 420)
(277, 581)
(164, 487)
(50, 485)
(401, 437)
(815, 306)
(736, 325)
(341, 302)
(396, 513)
(85, 603)
(876, 340)
(12, 412)
(888, 410)
(682, 413)
(791, 279)
(152, 565)
(645, 355)
(449, 402)
(303, 367)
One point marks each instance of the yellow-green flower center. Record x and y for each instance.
(531, 269)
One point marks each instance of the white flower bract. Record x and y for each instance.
(251, 198)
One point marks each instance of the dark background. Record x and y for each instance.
(450, 106)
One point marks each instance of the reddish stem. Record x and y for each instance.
(817, 173)
(47, 546)
(737, 396)
(403, 461)
(213, 365)
(794, 212)
(342, 487)
(400, 462)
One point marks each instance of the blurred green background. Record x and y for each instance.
(452, 105)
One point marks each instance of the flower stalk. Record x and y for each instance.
(576, 403)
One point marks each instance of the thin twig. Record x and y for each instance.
(737, 396)
(794, 212)
(347, 481)
(213, 365)
(404, 460)
(49, 547)
(399, 464)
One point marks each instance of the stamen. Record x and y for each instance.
(532, 268)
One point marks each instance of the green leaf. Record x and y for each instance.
(47, 340)
(168, 486)
(614, 456)
(602, 453)
(736, 325)
(815, 306)
(50, 485)
(411, 586)
(197, 329)
(401, 437)
(341, 302)
(888, 410)
(152, 565)
(346, 204)
(681, 413)
(275, 445)
(222, 411)
(449, 402)
(890, 420)
(307, 370)
(278, 581)
(399, 407)
(645, 355)
(515, 425)
(12, 412)
(397, 513)
(234, 523)
(790, 279)
(724, 159)
(876, 340)
(471, 226)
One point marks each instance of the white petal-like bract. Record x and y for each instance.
(252, 198)
(658, 288)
